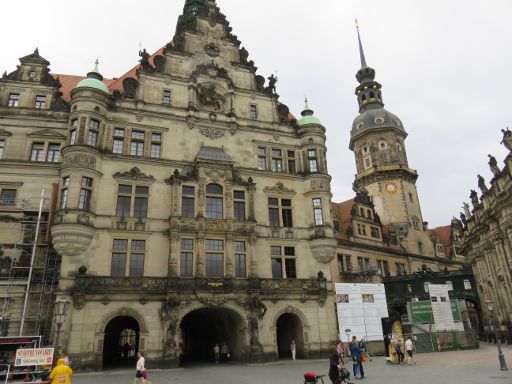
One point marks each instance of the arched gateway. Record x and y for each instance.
(202, 328)
(289, 328)
(121, 342)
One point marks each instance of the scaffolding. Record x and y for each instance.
(17, 238)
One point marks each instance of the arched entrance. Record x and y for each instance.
(203, 328)
(121, 342)
(289, 328)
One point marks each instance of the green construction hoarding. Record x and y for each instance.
(420, 312)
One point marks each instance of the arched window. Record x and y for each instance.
(214, 202)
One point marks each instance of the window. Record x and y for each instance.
(385, 158)
(467, 284)
(277, 160)
(361, 211)
(8, 197)
(367, 161)
(120, 256)
(53, 155)
(84, 201)
(415, 223)
(336, 224)
(214, 202)
(317, 212)
(37, 153)
(365, 149)
(382, 145)
(450, 285)
(411, 199)
(375, 232)
(361, 229)
(72, 137)
(369, 213)
(64, 193)
(214, 258)
(32, 75)
(118, 143)
(240, 259)
(262, 158)
(348, 263)
(383, 267)
(2, 146)
(14, 100)
(283, 205)
(187, 258)
(40, 102)
(400, 269)
(156, 139)
(137, 143)
(313, 161)
(166, 97)
(361, 264)
(187, 201)
(291, 162)
(92, 134)
(426, 287)
(283, 262)
(140, 201)
(420, 247)
(253, 111)
(340, 264)
(239, 205)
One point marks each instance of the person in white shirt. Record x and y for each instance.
(140, 368)
(409, 348)
(293, 348)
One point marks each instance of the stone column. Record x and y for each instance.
(252, 190)
(228, 197)
(173, 253)
(228, 251)
(200, 255)
(251, 252)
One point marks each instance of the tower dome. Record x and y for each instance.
(308, 116)
(94, 80)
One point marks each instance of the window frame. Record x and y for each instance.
(280, 259)
(134, 197)
(167, 97)
(186, 257)
(37, 154)
(14, 100)
(240, 252)
(190, 200)
(2, 147)
(53, 154)
(214, 257)
(239, 206)
(40, 102)
(85, 196)
(318, 216)
(214, 203)
(253, 111)
(313, 160)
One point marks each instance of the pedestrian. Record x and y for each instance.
(293, 348)
(399, 353)
(355, 351)
(140, 368)
(364, 347)
(224, 352)
(61, 374)
(66, 358)
(340, 349)
(409, 347)
(216, 353)
(335, 366)
(126, 350)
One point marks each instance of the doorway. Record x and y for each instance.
(289, 328)
(121, 342)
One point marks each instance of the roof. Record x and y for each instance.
(444, 234)
(344, 214)
(212, 153)
(93, 83)
(69, 82)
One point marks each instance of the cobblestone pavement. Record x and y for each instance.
(468, 367)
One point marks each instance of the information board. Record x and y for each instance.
(33, 356)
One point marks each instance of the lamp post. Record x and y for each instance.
(61, 309)
(492, 323)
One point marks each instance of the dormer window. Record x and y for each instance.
(167, 97)
(14, 100)
(40, 102)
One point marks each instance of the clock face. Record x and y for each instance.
(391, 187)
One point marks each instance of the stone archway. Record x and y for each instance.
(289, 327)
(202, 328)
(121, 342)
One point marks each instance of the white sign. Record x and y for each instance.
(34, 356)
(441, 308)
(360, 308)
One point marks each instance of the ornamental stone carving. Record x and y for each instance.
(212, 301)
(215, 174)
(79, 160)
(323, 250)
(72, 239)
(209, 96)
(280, 189)
(211, 133)
(320, 184)
(134, 174)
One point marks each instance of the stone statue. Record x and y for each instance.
(253, 326)
(494, 165)
(244, 55)
(463, 219)
(507, 139)
(144, 59)
(465, 206)
(209, 96)
(272, 80)
(474, 199)
(481, 184)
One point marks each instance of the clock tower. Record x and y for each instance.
(377, 139)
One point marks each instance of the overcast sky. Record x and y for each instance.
(445, 67)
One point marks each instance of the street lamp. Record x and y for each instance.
(61, 309)
(492, 323)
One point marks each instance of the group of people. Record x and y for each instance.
(409, 348)
(221, 353)
(359, 353)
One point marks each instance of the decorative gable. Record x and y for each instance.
(46, 134)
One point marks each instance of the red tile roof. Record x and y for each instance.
(444, 234)
(343, 212)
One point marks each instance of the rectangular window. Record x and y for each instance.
(361, 229)
(400, 269)
(239, 205)
(262, 158)
(367, 265)
(313, 160)
(137, 143)
(72, 137)
(348, 263)
(140, 206)
(240, 259)
(277, 160)
(8, 197)
(40, 102)
(187, 258)
(14, 100)
(64, 193)
(214, 207)
(53, 155)
(283, 262)
(187, 201)
(166, 97)
(253, 111)
(291, 162)
(118, 268)
(385, 267)
(317, 212)
(84, 201)
(124, 200)
(273, 212)
(286, 213)
(375, 232)
(156, 139)
(340, 264)
(94, 124)
(92, 138)
(118, 143)
(367, 162)
(37, 153)
(137, 258)
(285, 206)
(2, 145)
(360, 264)
(214, 258)
(467, 284)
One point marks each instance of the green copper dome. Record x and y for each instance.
(94, 80)
(307, 116)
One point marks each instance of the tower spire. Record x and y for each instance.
(361, 51)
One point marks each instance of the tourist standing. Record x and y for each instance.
(399, 352)
(216, 352)
(140, 368)
(355, 351)
(224, 352)
(340, 349)
(293, 348)
(61, 374)
(409, 347)
(334, 366)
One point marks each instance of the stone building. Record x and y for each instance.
(487, 241)
(188, 205)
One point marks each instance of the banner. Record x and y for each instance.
(441, 307)
(34, 356)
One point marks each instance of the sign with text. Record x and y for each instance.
(34, 356)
